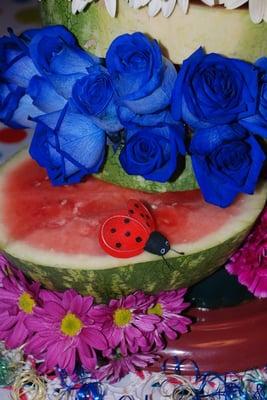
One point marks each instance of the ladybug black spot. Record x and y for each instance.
(131, 211)
(127, 234)
(138, 239)
(126, 220)
(113, 230)
(118, 245)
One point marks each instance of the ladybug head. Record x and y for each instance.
(157, 244)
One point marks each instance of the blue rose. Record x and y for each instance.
(16, 107)
(16, 65)
(153, 153)
(68, 145)
(227, 160)
(58, 57)
(214, 90)
(258, 122)
(142, 78)
(93, 95)
(44, 95)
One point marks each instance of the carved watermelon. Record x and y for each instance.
(51, 233)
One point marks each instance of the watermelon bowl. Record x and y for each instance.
(51, 233)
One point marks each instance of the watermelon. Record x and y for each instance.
(114, 173)
(51, 233)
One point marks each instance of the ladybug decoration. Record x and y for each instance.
(128, 234)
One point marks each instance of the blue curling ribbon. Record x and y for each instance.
(90, 391)
(261, 392)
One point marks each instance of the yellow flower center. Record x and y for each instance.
(26, 303)
(71, 325)
(122, 317)
(156, 310)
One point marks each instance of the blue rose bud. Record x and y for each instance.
(142, 78)
(227, 160)
(214, 90)
(16, 66)
(258, 122)
(69, 145)
(93, 95)
(16, 108)
(154, 152)
(57, 56)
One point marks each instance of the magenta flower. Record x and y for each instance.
(168, 306)
(65, 332)
(127, 323)
(18, 300)
(250, 262)
(119, 366)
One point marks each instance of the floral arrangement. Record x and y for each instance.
(134, 101)
(257, 8)
(68, 331)
(249, 263)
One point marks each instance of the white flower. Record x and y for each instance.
(79, 5)
(257, 8)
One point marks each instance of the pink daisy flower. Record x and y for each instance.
(18, 300)
(65, 332)
(168, 306)
(119, 366)
(250, 262)
(127, 323)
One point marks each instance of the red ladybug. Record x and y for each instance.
(129, 234)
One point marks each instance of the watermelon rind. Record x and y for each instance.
(107, 277)
(114, 173)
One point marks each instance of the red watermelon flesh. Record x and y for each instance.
(67, 219)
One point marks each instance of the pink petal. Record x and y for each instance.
(76, 305)
(94, 338)
(68, 297)
(54, 310)
(18, 334)
(87, 357)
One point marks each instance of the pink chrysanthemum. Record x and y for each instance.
(250, 262)
(18, 300)
(127, 323)
(119, 366)
(65, 332)
(168, 306)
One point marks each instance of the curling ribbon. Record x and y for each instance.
(90, 391)
(7, 372)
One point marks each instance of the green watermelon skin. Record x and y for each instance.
(151, 277)
(114, 173)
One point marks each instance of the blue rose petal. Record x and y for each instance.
(44, 95)
(153, 152)
(214, 90)
(72, 146)
(93, 96)
(227, 160)
(135, 64)
(160, 98)
(16, 108)
(15, 64)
